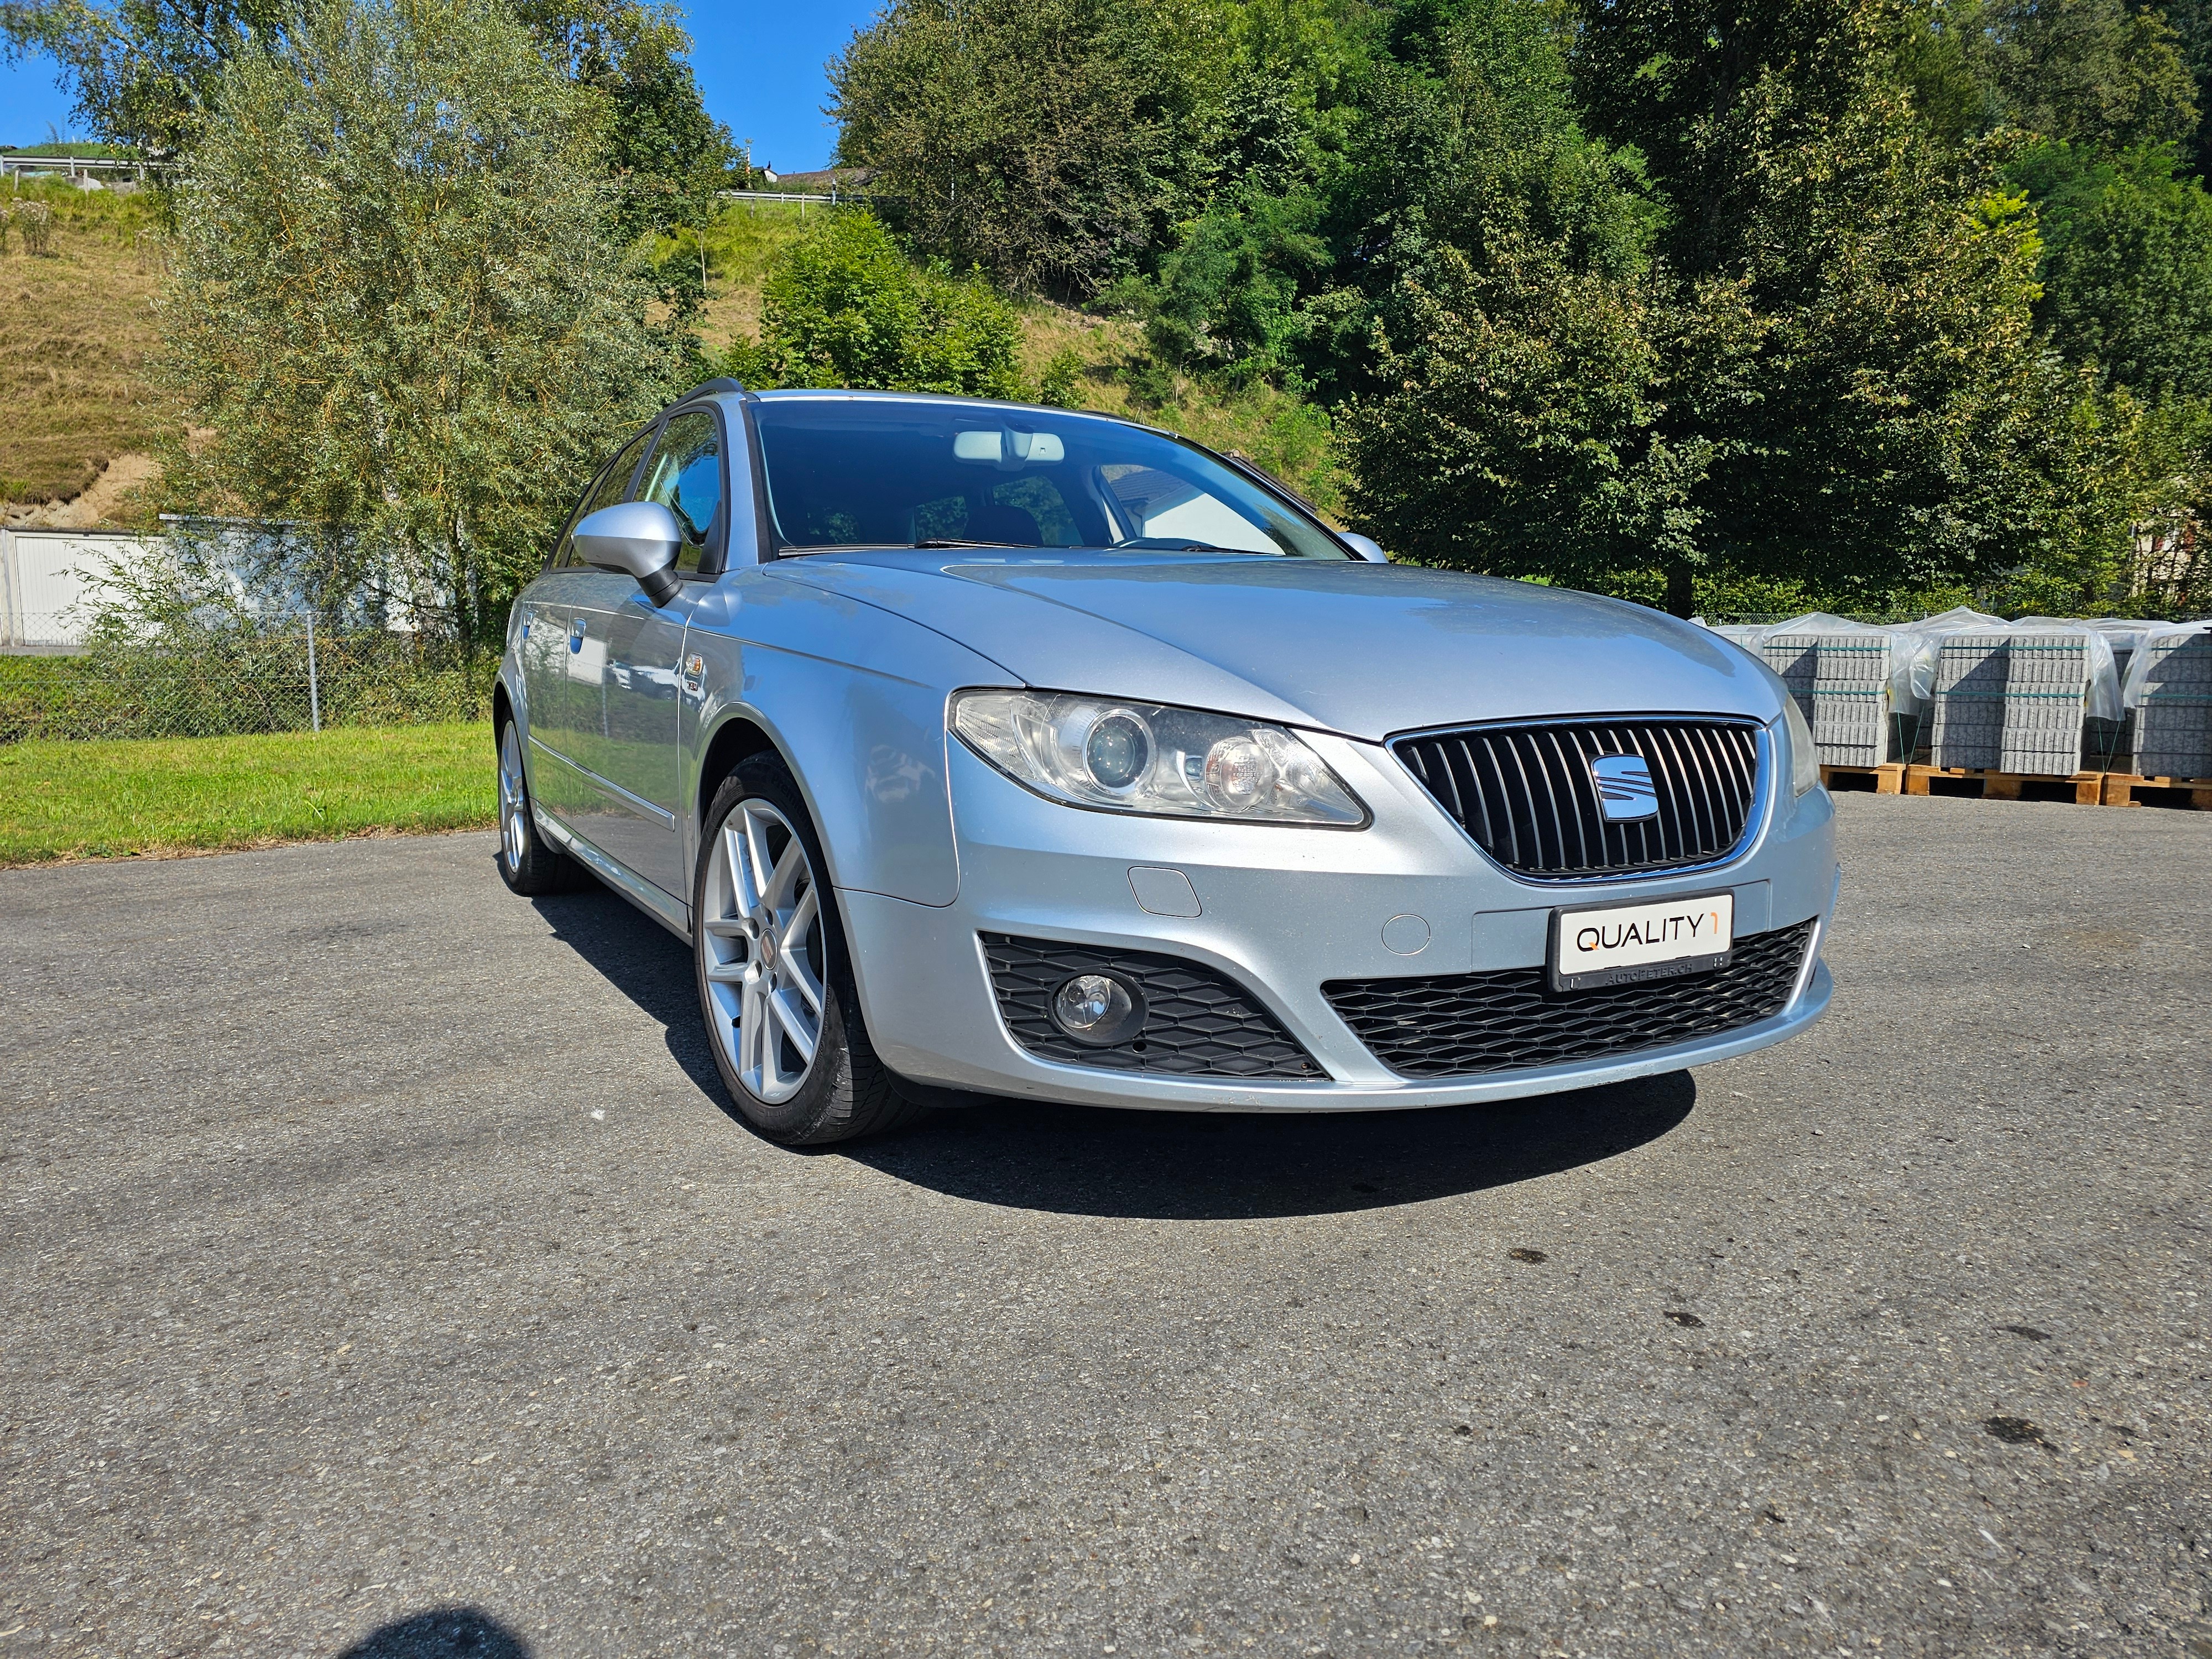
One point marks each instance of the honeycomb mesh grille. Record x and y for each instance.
(1525, 795)
(1464, 1024)
(1197, 1023)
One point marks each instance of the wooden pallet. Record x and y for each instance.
(2089, 787)
(2121, 787)
(1888, 779)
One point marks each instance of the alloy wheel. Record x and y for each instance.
(514, 801)
(762, 944)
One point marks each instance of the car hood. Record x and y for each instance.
(1365, 650)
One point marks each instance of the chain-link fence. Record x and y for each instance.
(213, 685)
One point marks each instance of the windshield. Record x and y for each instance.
(860, 472)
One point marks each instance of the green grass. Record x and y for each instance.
(81, 800)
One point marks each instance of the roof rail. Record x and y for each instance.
(716, 387)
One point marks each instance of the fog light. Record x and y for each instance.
(1098, 1009)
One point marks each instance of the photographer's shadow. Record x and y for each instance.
(1165, 1165)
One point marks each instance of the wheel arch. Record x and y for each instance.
(735, 741)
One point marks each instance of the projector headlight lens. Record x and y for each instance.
(1151, 758)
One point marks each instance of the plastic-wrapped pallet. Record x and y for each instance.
(2172, 690)
(1839, 672)
(2046, 686)
(1795, 660)
(1850, 699)
(1969, 695)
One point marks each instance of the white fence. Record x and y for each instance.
(44, 576)
(84, 172)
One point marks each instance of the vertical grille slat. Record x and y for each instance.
(1525, 794)
(1553, 769)
(1693, 771)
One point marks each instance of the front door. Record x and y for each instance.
(597, 658)
(618, 730)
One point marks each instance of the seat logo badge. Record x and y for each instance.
(1624, 793)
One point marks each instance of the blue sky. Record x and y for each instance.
(759, 66)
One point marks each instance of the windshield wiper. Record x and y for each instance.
(949, 541)
(1178, 544)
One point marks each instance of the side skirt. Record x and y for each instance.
(672, 913)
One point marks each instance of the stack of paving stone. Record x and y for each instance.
(2011, 701)
(1850, 699)
(2046, 685)
(1970, 700)
(1795, 661)
(2173, 714)
(1840, 681)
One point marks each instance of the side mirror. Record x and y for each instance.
(639, 539)
(1366, 546)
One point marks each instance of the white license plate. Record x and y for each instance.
(1616, 944)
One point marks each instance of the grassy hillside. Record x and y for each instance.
(76, 326)
(1287, 437)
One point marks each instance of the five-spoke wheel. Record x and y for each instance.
(775, 983)
(761, 922)
(527, 863)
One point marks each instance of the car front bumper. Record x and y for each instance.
(1283, 911)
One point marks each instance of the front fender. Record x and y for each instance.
(853, 698)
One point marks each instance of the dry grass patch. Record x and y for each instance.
(76, 326)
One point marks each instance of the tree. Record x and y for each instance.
(2097, 72)
(1818, 373)
(2127, 268)
(144, 72)
(844, 307)
(1524, 428)
(666, 154)
(398, 308)
(1050, 142)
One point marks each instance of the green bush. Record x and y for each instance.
(844, 307)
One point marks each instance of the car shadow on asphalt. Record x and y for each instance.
(1164, 1165)
(1197, 1166)
(643, 961)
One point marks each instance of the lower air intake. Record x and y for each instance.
(1197, 1023)
(1466, 1024)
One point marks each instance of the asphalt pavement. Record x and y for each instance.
(380, 1275)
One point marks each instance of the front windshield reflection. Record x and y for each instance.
(859, 472)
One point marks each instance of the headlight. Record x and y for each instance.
(1142, 758)
(1804, 759)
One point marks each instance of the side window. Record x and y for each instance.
(613, 487)
(686, 478)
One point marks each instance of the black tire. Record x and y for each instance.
(847, 1092)
(528, 863)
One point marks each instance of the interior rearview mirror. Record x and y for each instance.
(1009, 449)
(639, 539)
(1366, 546)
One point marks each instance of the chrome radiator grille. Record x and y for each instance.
(1527, 796)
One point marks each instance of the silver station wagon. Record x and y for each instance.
(979, 748)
